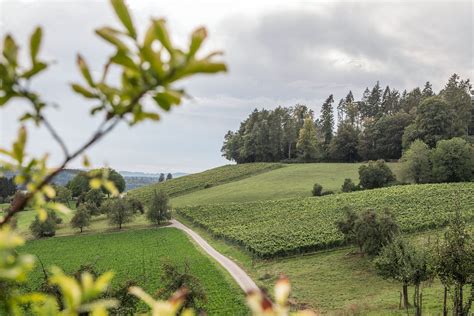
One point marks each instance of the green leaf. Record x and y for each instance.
(200, 66)
(35, 69)
(83, 91)
(197, 38)
(110, 35)
(162, 35)
(85, 70)
(19, 145)
(167, 99)
(35, 42)
(122, 13)
(121, 59)
(154, 58)
(10, 50)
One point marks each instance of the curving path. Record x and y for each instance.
(239, 275)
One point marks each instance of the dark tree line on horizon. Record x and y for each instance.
(380, 125)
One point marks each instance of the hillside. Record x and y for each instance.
(203, 180)
(274, 228)
(294, 180)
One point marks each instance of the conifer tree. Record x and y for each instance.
(327, 120)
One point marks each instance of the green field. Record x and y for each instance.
(203, 180)
(294, 180)
(138, 255)
(291, 226)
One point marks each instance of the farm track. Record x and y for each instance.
(239, 275)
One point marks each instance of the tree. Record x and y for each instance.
(63, 195)
(344, 145)
(327, 121)
(158, 211)
(161, 178)
(169, 176)
(81, 218)
(457, 95)
(111, 175)
(94, 197)
(348, 186)
(453, 161)
(373, 102)
(375, 231)
(7, 187)
(347, 226)
(46, 228)
(375, 174)
(307, 145)
(434, 122)
(416, 164)
(427, 90)
(317, 189)
(454, 264)
(400, 261)
(118, 211)
(388, 132)
(79, 184)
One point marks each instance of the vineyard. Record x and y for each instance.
(203, 180)
(138, 255)
(284, 227)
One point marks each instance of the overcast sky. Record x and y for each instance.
(278, 53)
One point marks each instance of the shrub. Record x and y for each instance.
(375, 175)
(348, 185)
(328, 192)
(453, 161)
(46, 228)
(158, 211)
(207, 186)
(416, 163)
(317, 189)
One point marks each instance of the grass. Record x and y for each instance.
(292, 226)
(294, 180)
(203, 180)
(119, 252)
(334, 282)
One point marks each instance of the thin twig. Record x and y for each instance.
(55, 135)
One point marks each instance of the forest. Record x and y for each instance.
(381, 125)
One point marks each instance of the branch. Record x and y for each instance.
(55, 135)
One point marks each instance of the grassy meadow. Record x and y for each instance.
(138, 255)
(293, 180)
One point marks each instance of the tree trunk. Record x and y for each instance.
(289, 150)
(445, 298)
(460, 308)
(406, 304)
(81, 229)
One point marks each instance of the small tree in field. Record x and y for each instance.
(63, 195)
(375, 231)
(347, 226)
(348, 186)
(416, 165)
(119, 211)
(453, 161)
(158, 211)
(375, 175)
(46, 228)
(81, 218)
(161, 178)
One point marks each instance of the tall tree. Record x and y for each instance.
(341, 111)
(7, 187)
(374, 100)
(427, 90)
(327, 121)
(307, 145)
(158, 210)
(343, 146)
(457, 95)
(169, 176)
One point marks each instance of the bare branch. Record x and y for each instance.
(55, 135)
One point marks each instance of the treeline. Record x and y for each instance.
(379, 126)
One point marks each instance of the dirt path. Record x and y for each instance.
(242, 278)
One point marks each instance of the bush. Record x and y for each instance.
(416, 163)
(348, 186)
(158, 211)
(375, 175)
(47, 228)
(328, 192)
(207, 186)
(453, 161)
(317, 189)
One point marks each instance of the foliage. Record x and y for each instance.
(416, 165)
(81, 218)
(307, 145)
(63, 194)
(453, 161)
(317, 189)
(327, 121)
(264, 230)
(94, 197)
(7, 187)
(348, 186)
(375, 175)
(344, 144)
(46, 228)
(79, 184)
(119, 211)
(174, 279)
(158, 211)
(197, 181)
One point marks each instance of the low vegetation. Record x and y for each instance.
(144, 264)
(264, 228)
(198, 181)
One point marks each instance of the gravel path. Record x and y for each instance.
(242, 278)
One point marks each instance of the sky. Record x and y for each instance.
(278, 53)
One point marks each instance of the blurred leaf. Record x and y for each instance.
(85, 70)
(35, 69)
(122, 13)
(167, 99)
(83, 91)
(19, 145)
(35, 42)
(121, 59)
(10, 50)
(162, 35)
(197, 38)
(110, 35)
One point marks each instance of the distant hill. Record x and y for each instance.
(149, 175)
